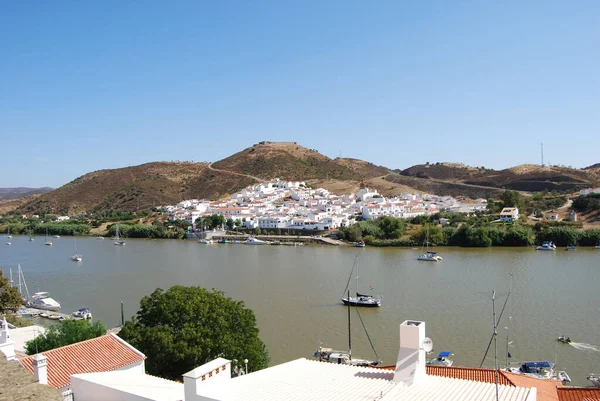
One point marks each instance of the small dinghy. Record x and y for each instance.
(563, 376)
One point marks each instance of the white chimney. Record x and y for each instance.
(7, 346)
(216, 372)
(40, 368)
(410, 366)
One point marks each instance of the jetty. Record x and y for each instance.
(35, 313)
(303, 239)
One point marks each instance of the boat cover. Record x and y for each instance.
(358, 294)
(83, 309)
(544, 364)
(445, 354)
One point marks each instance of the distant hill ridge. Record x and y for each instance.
(21, 192)
(160, 183)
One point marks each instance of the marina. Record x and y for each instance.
(295, 293)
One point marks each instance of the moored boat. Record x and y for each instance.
(537, 369)
(83, 313)
(359, 244)
(359, 299)
(443, 359)
(41, 300)
(546, 246)
(595, 379)
(205, 241)
(428, 256)
(571, 247)
(254, 241)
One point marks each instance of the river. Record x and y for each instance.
(295, 293)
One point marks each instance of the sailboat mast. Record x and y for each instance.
(356, 277)
(10, 273)
(349, 331)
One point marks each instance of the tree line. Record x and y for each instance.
(471, 232)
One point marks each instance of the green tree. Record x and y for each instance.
(230, 223)
(392, 227)
(185, 327)
(63, 333)
(10, 299)
(512, 198)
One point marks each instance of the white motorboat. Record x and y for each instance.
(56, 317)
(546, 246)
(205, 241)
(537, 369)
(428, 256)
(597, 246)
(83, 313)
(359, 244)
(8, 243)
(101, 238)
(254, 241)
(359, 299)
(41, 300)
(443, 359)
(56, 236)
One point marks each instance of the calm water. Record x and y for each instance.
(295, 293)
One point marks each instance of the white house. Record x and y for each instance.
(366, 193)
(273, 222)
(509, 214)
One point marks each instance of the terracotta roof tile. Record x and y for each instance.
(101, 354)
(546, 389)
(578, 393)
(459, 372)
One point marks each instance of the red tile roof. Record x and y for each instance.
(578, 393)
(101, 354)
(459, 372)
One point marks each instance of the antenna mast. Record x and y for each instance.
(495, 336)
(542, 154)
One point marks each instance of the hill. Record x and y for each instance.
(526, 177)
(160, 183)
(290, 161)
(129, 188)
(21, 192)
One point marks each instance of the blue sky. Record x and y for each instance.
(94, 85)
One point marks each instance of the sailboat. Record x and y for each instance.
(119, 241)
(76, 256)
(345, 357)
(48, 242)
(8, 236)
(360, 299)
(428, 256)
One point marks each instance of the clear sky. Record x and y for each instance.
(94, 85)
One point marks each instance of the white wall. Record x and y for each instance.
(84, 390)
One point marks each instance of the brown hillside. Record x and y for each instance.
(290, 161)
(526, 177)
(128, 188)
